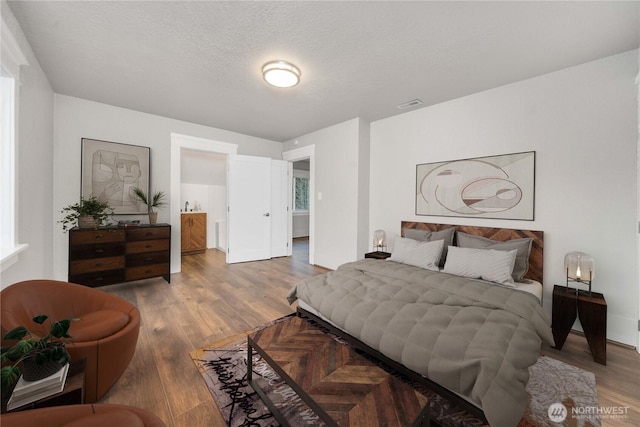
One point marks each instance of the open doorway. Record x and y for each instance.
(179, 144)
(304, 159)
(300, 210)
(203, 200)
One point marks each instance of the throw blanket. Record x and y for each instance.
(475, 338)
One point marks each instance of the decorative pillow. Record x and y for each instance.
(419, 254)
(522, 246)
(430, 236)
(486, 264)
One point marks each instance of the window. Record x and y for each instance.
(12, 59)
(300, 191)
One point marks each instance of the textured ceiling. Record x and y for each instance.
(200, 61)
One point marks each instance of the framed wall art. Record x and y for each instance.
(501, 187)
(111, 170)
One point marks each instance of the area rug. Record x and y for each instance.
(553, 385)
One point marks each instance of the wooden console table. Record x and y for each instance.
(325, 374)
(591, 309)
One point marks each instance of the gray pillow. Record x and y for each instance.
(431, 236)
(523, 246)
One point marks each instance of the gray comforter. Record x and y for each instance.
(472, 337)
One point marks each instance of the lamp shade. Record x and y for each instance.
(579, 266)
(379, 239)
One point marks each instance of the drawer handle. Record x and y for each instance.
(149, 259)
(99, 251)
(99, 264)
(149, 246)
(148, 271)
(149, 233)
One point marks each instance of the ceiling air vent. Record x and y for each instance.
(410, 104)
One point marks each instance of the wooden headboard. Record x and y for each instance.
(500, 234)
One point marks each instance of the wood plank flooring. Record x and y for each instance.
(210, 300)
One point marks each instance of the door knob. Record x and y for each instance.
(267, 214)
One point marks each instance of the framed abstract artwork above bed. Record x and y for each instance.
(501, 187)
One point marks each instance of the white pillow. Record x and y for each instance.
(419, 254)
(486, 264)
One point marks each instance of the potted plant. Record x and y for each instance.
(40, 357)
(88, 213)
(156, 201)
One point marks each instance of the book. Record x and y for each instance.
(29, 391)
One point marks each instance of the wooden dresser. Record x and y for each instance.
(114, 255)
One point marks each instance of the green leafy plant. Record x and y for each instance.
(93, 207)
(49, 348)
(156, 201)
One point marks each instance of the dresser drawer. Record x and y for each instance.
(98, 250)
(136, 273)
(96, 264)
(138, 260)
(148, 246)
(148, 233)
(80, 237)
(100, 278)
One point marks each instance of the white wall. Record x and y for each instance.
(338, 181)
(34, 167)
(77, 118)
(583, 124)
(300, 225)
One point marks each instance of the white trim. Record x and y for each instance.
(203, 144)
(302, 153)
(12, 59)
(12, 56)
(9, 256)
(178, 142)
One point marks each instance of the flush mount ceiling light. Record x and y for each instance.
(281, 74)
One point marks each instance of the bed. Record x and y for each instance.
(468, 326)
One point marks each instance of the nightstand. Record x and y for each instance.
(568, 304)
(377, 255)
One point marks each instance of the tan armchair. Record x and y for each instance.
(97, 415)
(105, 336)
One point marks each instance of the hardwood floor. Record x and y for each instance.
(210, 300)
(207, 301)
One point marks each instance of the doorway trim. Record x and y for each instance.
(178, 142)
(303, 153)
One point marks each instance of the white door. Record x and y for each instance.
(258, 204)
(249, 208)
(280, 204)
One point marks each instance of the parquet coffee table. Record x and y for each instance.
(340, 386)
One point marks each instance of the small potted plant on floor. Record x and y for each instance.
(88, 213)
(42, 354)
(156, 201)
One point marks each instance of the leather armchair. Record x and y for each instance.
(96, 415)
(105, 336)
